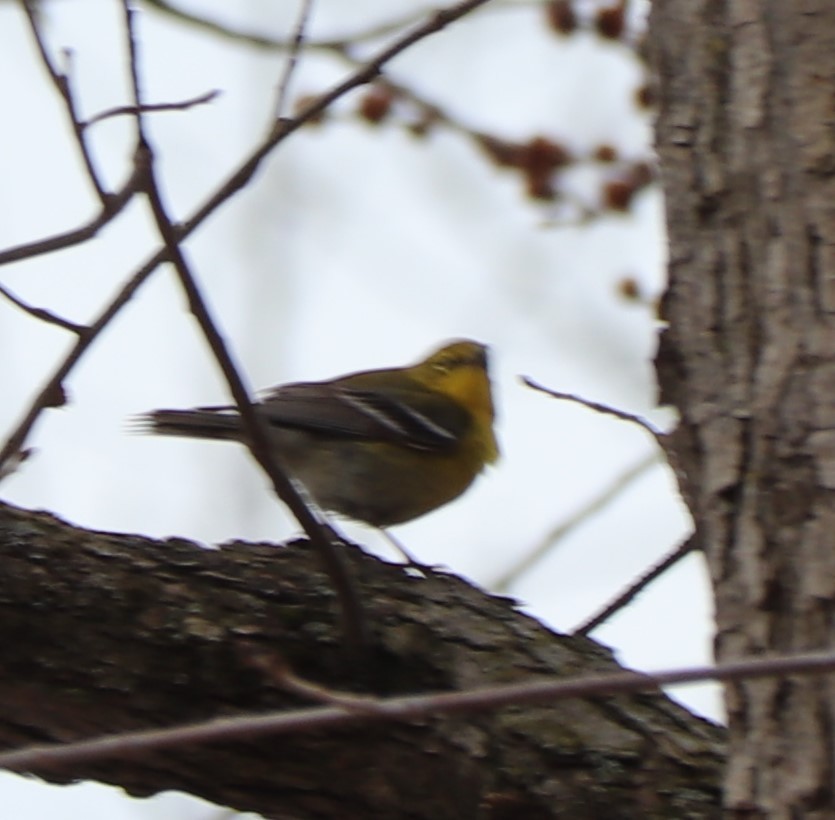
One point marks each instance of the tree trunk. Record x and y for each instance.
(746, 136)
(103, 633)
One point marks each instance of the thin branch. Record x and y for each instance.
(43, 314)
(54, 385)
(629, 594)
(292, 57)
(61, 82)
(623, 415)
(115, 204)
(488, 698)
(310, 690)
(375, 31)
(564, 528)
(436, 22)
(258, 40)
(130, 110)
(354, 623)
(636, 587)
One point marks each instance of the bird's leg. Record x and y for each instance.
(411, 561)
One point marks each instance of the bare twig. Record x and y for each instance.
(559, 532)
(259, 40)
(62, 84)
(125, 110)
(374, 31)
(629, 594)
(290, 681)
(54, 383)
(355, 625)
(115, 202)
(623, 415)
(636, 587)
(542, 690)
(110, 209)
(43, 314)
(292, 57)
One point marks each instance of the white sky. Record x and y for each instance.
(355, 247)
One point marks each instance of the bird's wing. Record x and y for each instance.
(413, 417)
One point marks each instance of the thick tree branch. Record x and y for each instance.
(103, 633)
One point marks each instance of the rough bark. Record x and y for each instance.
(746, 137)
(104, 632)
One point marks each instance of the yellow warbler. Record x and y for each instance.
(380, 446)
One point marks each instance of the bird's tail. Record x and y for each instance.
(190, 423)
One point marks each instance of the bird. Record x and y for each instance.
(378, 446)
